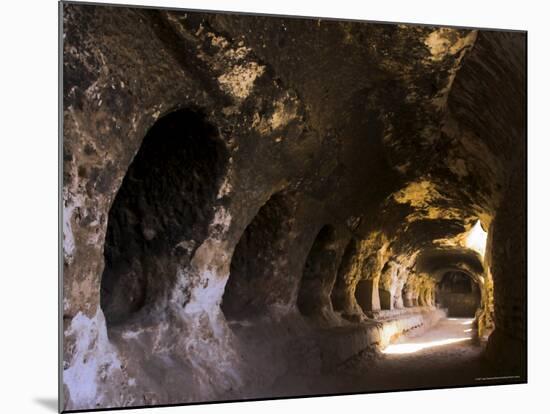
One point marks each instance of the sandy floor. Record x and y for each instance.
(445, 355)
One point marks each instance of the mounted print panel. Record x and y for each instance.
(257, 207)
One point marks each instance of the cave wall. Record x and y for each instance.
(485, 315)
(509, 269)
(232, 275)
(493, 112)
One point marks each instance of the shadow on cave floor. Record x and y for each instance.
(445, 355)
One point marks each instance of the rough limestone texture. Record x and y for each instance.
(240, 189)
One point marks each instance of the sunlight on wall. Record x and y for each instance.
(411, 348)
(477, 239)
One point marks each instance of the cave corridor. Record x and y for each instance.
(258, 207)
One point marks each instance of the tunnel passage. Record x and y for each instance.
(319, 274)
(257, 277)
(459, 294)
(160, 213)
(432, 260)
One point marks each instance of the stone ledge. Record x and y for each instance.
(337, 345)
(393, 313)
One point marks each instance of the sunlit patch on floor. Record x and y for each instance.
(412, 348)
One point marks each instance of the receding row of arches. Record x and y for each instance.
(161, 214)
(260, 277)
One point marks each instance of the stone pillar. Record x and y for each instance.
(408, 299)
(422, 297)
(398, 300)
(430, 297)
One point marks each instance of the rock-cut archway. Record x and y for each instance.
(459, 293)
(258, 278)
(160, 214)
